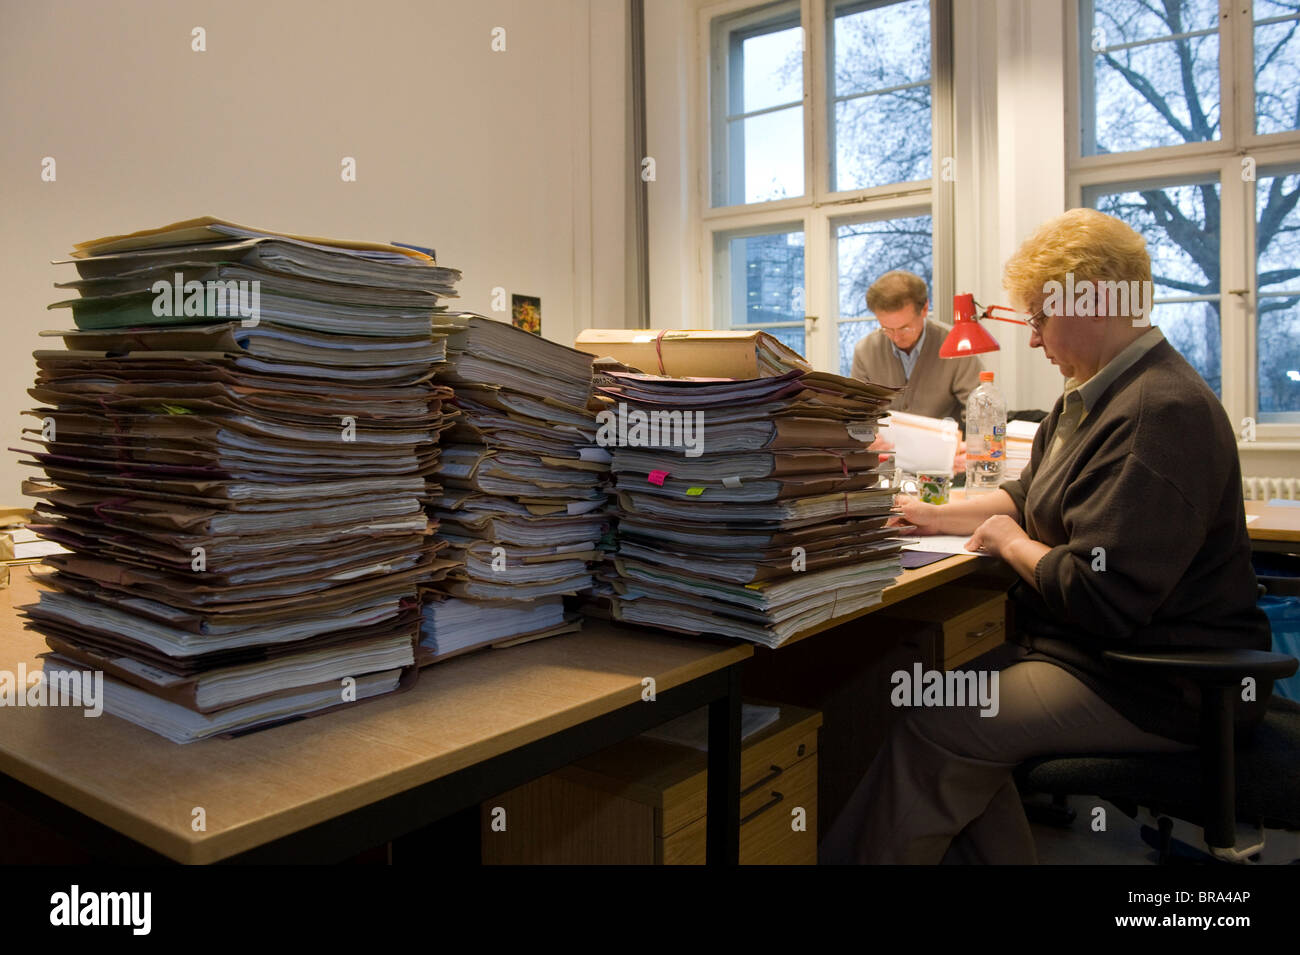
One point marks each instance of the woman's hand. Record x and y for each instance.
(923, 517)
(997, 536)
(1001, 536)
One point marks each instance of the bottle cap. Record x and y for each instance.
(986, 376)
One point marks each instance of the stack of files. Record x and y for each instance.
(523, 497)
(242, 497)
(1020, 442)
(453, 625)
(768, 521)
(689, 353)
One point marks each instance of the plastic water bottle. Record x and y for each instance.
(986, 435)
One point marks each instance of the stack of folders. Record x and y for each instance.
(523, 496)
(748, 508)
(1020, 442)
(240, 473)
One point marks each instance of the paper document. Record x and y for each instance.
(943, 544)
(921, 444)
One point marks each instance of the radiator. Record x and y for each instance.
(1267, 488)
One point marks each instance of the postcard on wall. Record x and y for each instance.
(526, 313)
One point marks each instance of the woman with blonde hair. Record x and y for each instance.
(1121, 538)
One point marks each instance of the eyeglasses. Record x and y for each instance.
(912, 326)
(1037, 321)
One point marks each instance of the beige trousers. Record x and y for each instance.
(941, 789)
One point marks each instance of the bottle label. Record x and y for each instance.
(988, 447)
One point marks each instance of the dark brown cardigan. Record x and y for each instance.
(1152, 478)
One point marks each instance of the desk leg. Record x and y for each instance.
(723, 825)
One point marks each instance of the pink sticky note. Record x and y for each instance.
(657, 477)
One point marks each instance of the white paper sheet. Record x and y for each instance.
(943, 544)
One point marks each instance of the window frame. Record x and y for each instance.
(1224, 158)
(820, 210)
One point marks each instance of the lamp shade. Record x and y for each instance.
(967, 336)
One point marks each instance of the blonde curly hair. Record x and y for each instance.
(1090, 244)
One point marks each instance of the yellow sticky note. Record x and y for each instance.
(694, 491)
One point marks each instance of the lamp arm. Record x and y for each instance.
(988, 313)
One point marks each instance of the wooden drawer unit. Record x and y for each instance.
(644, 802)
(966, 622)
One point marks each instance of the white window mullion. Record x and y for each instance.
(819, 270)
(1234, 112)
(817, 346)
(1241, 22)
(943, 203)
(1236, 287)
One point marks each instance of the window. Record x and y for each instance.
(825, 117)
(1181, 227)
(758, 106)
(1277, 279)
(1151, 76)
(1189, 130)
(762, 283)
(865, 250)
(1277, 66)
(880, 93)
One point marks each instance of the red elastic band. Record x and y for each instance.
(659, 350)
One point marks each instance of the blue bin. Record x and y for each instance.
(1284, 617)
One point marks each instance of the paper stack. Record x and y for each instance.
(747, 508)
(686, 353)
(523, 498)
(1020, 442)
(237, 443)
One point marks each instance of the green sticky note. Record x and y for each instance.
(694, 491)
(176, 409)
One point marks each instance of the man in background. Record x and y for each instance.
(904, 352)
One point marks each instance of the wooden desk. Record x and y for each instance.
(323, 789)
(1276, 528)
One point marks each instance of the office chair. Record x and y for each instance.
(1212, 787)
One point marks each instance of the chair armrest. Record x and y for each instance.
(1208, 667)
(1280, 586)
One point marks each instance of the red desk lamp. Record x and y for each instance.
(967, 337)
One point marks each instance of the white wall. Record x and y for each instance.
(673, 120)
(1010, 140)
(514, 165)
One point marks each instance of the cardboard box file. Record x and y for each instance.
(693, 353)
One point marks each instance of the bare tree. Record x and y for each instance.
(1190, 217)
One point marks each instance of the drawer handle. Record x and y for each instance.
(776, 798)
(986, 629)
(776, 771)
